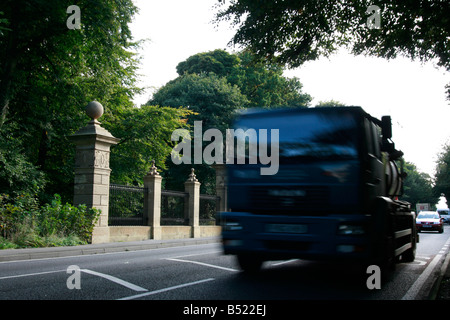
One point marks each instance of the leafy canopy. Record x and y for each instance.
(442, 178)
(262, 83)
(294, 31)
(48, 73)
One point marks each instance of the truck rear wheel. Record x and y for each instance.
(249, 263)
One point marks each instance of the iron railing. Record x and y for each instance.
(209, 205)
(126, 206)
(173, 208)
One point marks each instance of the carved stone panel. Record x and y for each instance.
(92, 159)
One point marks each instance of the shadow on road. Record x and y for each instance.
(301, 280)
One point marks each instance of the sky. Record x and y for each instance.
(412, 93)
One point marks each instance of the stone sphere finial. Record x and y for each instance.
(94, 110)
(192, 176)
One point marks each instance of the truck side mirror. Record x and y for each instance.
(386, 127)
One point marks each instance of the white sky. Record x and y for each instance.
(412, 93)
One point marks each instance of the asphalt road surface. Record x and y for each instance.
(191, 274)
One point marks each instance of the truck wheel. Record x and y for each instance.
(249, 264)
(410, 254)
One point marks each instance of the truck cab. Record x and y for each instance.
(333, 197)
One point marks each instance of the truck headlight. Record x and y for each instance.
(351, 229)
(232, 226)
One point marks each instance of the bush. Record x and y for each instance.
(26, 224)
(18, 174)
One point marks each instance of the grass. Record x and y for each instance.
(26, 224)
(32, 241)
(27, 237)
(444, 291)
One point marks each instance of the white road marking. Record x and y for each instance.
(114, 279)
(418, 263)
(203, 264)
(166, 289)
(283, 262)
(423, 257)
(196, 254)
(417, 285)
(31, 274)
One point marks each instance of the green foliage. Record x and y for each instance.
(3, 22)
(49, 73)
(263, 84)
(59, 218)
(330, 103)
(442, 178)
(18, 175)
(214, 101)
(418, 186)
(218, 62)
(144, 136)
(211, 97)
(25, 223)
(216, 85)
(292, 32)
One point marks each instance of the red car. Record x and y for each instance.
(429, 221)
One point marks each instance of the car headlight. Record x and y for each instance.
(351, 229)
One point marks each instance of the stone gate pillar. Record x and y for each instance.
(92, 169)
(192, 186)
(152, 201)
(221, 187)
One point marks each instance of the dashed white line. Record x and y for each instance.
(417, 285)
(283, 262)
(203, 264)
(114, 279)
(196, 254)
(166, 289)
(31, 274)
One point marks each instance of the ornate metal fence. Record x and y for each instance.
(173, 208)
(126, 206)
(209, 205)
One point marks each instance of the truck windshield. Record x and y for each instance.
(310, 136)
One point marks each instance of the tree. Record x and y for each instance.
(211, 97)
(418, 186)
(262, 83)
(442, 177)
(292, 31)
(215, 85)
(48, 73)
(145, 134)
(330, 103)
(218, 62)
(214, 102)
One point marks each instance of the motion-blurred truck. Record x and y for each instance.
(334, 197)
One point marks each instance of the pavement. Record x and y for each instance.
(90, 249)
(441, 287)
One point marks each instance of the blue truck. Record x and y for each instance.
(334, 197)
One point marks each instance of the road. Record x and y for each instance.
(202, 272)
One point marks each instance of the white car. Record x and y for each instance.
(444, 213)
(429, 221)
